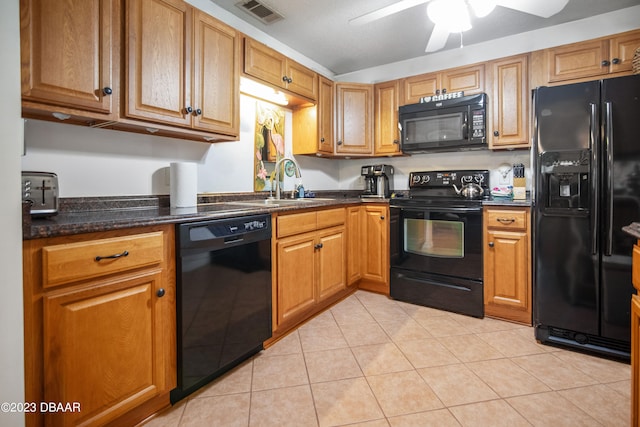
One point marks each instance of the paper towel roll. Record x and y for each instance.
(183, 185)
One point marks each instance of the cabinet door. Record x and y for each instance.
(375, 262)
(68, 53)
(635, 362)
(295, 276)
(111, 335)
(303, 80)
(325, 115)
(578, 60)
(506, 277)
(622, 49)
(354, 118)
(215, 76)
(416, 87)
(469, 80)
(264, 63)
(510, 103)
(331, 253)
(159, 61)
(386, 102)
(355, 244)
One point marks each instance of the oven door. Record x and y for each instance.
(439, 240)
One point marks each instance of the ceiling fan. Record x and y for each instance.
(452, 16)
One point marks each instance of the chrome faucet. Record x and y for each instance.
(276, 174)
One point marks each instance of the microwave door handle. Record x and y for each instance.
(465, 125)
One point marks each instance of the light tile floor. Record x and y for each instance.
(371, 361)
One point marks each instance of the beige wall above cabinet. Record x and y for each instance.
(354, 119)
(469, 79)
(589, 60)
(70, 57)
(182, 67)
(268, 65)
(509, 102)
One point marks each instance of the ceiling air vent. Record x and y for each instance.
(260, 11)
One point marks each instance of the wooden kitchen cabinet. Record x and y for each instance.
(100, 332)
(266, 64)
(635, 337)
(182, 67)
(507, 263)
(354, 119)
(355, 241)
(310, 269)
(589, 60)
(387, 134)
(70, 58)
(468, 79)
(510, 103)
(375, 248)
(313, 125)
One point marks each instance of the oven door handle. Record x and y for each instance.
(433, 282)
(439, 209)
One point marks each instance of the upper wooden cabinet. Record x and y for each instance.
(70, 55)
(354, 119)
(313, 125)
(276, 69)
(182, 67)
(598, 58)
(470, 80)
(386, 102)
(510, 102)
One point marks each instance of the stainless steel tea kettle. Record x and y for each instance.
(469, 191)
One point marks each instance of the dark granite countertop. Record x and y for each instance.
(85, 215)
(503, 201)
(632, 229)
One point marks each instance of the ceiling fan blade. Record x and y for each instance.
(542, 8)
(438, 38)
(385, 11)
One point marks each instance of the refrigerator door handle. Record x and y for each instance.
(593, 135)
(608, 146)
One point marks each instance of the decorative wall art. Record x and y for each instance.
(269, 143)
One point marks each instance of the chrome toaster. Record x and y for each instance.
(40, 189)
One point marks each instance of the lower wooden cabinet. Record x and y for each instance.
(310, 265)
(100, 332)
(375, 248)
(355, 233)
(507, 263)
(635, 338)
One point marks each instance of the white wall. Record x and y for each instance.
(11, 320)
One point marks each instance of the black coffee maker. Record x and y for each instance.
(378, 182)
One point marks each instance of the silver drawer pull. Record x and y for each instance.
(120, 255)
(506, 220)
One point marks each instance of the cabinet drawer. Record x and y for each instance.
(331, 217)
(76, 261)
(635, 269)
(507, 219)
(288, 225)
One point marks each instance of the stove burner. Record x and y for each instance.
(438, 185)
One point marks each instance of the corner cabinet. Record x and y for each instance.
(386, 102)
(507, 263)
(309, 266)
(313, 125)
(76, 71)
(182, 67)
(510, 103)
(354, 119)
(100, 325)
(272, 67)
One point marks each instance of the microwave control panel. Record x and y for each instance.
(477, 124)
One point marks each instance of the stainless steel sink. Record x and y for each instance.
(279, 202)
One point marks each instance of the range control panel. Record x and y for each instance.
(433, 179)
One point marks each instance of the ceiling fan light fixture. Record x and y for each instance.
(450, 14)
(482, 8)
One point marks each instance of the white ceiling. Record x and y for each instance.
(319, 29)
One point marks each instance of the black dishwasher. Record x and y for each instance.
(223, 296)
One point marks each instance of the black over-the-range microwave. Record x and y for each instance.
(448, 122)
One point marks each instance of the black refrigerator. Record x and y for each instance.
(586, 163)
